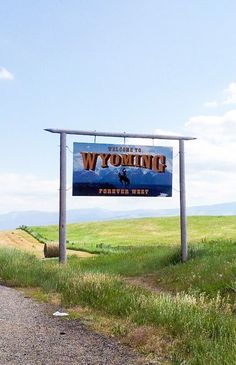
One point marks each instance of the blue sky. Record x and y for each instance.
(136, 66)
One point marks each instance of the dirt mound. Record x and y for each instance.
(24, 241)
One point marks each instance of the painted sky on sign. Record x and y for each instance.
(103, 148)
(136, 66)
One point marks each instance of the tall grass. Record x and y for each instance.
(212, 270)
(137, 261)
(211, 267)
(203, 329)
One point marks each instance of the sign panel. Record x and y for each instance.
(122, 170)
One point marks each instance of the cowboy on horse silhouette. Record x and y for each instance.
(123, 177)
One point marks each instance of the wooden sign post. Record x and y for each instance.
(62, 198)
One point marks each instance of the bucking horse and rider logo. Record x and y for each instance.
(123, 177)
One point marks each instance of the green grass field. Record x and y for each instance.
(145, 231)
(195, 309)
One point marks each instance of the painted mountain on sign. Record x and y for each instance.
(99, 170)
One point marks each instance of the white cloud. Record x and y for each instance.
(5, 74)
(228, 97)
(214, 128)
(230, 94)
(211, 158)
(27, 192)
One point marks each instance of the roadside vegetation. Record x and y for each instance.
(191, 320)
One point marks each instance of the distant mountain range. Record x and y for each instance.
(36, 218)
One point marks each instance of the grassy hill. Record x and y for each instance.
(144, 231)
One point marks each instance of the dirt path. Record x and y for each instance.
(30, 335)
(24, 241)
(148, 282)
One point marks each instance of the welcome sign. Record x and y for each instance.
(122, 170)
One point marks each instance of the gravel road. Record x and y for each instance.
(30, 336)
